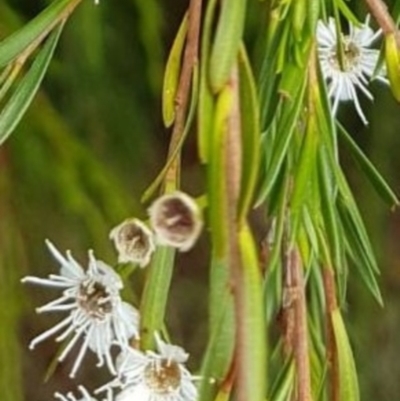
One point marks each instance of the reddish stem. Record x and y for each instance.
(380, 12)
(182, 96)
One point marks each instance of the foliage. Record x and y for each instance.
(244, 81)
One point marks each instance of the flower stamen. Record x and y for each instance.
(162, 377)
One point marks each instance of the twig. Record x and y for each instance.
(287, 313)
(331, 305)
(182, 96)
(380, 12)
(300, 341)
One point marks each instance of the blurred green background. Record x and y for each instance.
(90, 144)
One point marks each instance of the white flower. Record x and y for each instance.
(70, 397)
(133, 241)
(359, 62)
(153, 376)
(176, 219)
(96, 312)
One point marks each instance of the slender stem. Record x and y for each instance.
(287, 313)
(232, 175)
(182, 96)
(380, 12)
(331, 305)
(300, 334)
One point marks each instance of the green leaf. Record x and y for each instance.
(359, 249)
(249, 114)
(305, 166)
(171, 76)
(299, 15)
(328, 210)
(155, 294)
(18, 103)
(252, 331)
(392, 58)
(216, 173)
(347, 370)
(287, 124)
(347, 13)
(268, 78)
(175, 152)
(220, 348)
(219, 354)
(284, 383)
(16, 43)
(222, 323)
(379, 183)
(206, 101)
(227, 42)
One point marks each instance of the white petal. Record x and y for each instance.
(50, 332)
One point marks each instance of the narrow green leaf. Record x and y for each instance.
(249, 114)
(347, 13)
(220, 347)
(292, 74)
(330, 218)
(221, 311)
(253, 351)
(348, 205)
(282, 193)
(287, 125)
(392, 58)
(284, 383)
(16, 106)
(276, 44)
(305, 166)
(310, 227)
(216, 170)
(347, 370)
(188, 124)
(155, 294)
(361, 252)
(224, 393)
(172, 72)
(16, 43)
(313, 14)
(379, 183)
(206, 101)
(227, 42)
(7, 80)
(299, 17)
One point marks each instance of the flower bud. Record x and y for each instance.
(134, 242)
(176, 219)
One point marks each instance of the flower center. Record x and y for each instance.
(178, 217)
(162, 377)
(134, 239)
(351, 55)
(94, 299)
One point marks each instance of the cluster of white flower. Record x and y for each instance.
(99, 319)
(354, 68)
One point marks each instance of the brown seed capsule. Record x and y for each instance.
(176, 220)
(134, 242)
